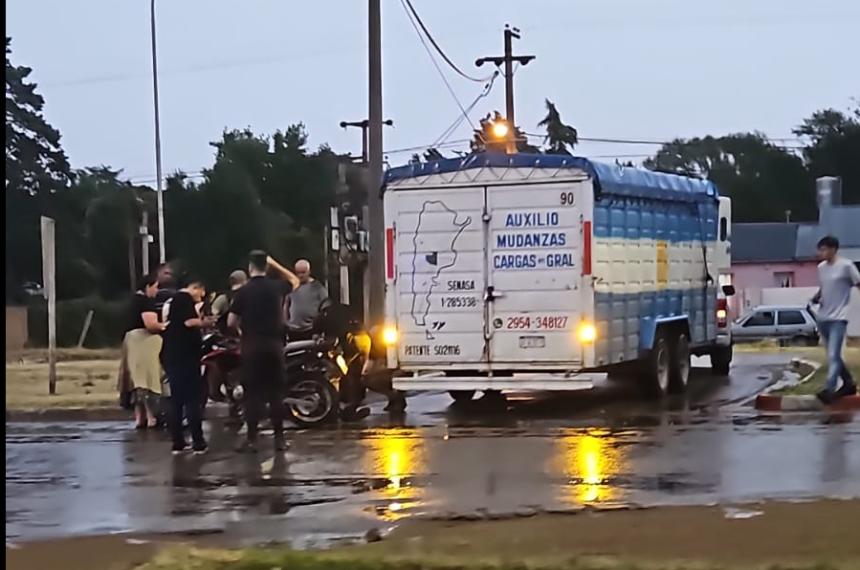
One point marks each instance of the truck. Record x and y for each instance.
(546, 272)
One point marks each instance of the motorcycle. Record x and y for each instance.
(309, 396)
(219, 368)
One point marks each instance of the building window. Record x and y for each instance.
(784, 278)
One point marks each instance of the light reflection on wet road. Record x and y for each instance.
(543, 452)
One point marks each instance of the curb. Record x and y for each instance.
(69, 415)
(806, 403)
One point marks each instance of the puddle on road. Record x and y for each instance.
(589, 460)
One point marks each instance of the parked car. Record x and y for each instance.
(785, 323)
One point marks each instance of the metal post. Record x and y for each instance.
(162, 257)
(49, 279)
(374, 278)
(87, 322)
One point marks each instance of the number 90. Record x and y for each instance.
(567, 198)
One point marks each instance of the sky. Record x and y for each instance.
(629, 69)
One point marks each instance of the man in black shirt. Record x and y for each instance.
(180, 356)
(257, 313)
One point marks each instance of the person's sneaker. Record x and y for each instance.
(178, 449)
(825, 397)
(247, 447)
(200, 449)
(846, 390)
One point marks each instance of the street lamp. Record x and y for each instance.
(159, 190)
(500, 130)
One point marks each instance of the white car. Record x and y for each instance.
(791, 323)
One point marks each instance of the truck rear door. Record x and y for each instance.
(535, 271)
(439, 260)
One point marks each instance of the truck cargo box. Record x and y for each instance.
(534, 270)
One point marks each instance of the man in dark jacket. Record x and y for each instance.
(257, 314)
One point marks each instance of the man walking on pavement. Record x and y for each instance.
(303, 304)
(180, 356)
(837, 276)
(257, 314)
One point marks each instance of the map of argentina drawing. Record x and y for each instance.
(428, 264)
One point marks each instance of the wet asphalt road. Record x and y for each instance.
(605, 447)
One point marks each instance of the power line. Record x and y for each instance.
(459, 120)
(408, 5)
(436, 64)
(657, 142)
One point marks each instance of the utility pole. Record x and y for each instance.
(363, 125)
(162, 257)
(374, 276)
(508, 61)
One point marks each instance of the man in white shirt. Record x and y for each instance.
(837, 276)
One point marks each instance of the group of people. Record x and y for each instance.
(164, 334)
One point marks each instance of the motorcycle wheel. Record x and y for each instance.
(323, 410)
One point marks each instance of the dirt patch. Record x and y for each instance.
(810, 533)
(115, 552)
(80, 384)
(816, 535)
(40, 355)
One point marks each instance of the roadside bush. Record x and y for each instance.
(109, 320)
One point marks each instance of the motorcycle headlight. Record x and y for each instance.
(341, 363)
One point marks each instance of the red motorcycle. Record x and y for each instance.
(219, 368)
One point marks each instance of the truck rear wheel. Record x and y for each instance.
(679, 370)
(721, 359)
(657, 366)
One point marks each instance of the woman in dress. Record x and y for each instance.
(140, 369)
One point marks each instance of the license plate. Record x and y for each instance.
(532, 342)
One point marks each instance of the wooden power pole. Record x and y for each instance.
(374, 276)
(508, 61)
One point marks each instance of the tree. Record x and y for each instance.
(262, 192)
(560, 138)
(762, 179)
(35, 161)
(834, 148)
(111, 221)
(36, 168)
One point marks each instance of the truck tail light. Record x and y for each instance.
(722, 313)
(586, 248)
(389, 253)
